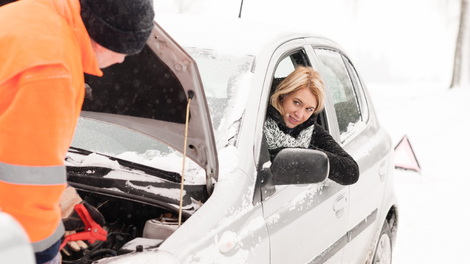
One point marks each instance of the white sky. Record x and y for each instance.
(390, 40)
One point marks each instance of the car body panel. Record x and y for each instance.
(315, 208)
(230, 219)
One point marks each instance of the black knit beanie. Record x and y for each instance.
(122, 26)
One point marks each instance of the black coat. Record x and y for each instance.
(343, 168)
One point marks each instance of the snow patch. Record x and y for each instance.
(166, 192)
(96, 160)
(228, 160)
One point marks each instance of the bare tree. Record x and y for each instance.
(459, 46)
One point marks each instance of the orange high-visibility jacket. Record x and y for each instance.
(44, 50)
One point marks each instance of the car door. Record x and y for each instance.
(306, 222)
(360, 137)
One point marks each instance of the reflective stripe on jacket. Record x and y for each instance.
(44, 51)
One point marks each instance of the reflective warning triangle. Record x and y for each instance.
(405, 157)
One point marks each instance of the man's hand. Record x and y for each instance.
(71, 219)
(75, 245)
(68, 201)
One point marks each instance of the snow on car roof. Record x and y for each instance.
(232, 35)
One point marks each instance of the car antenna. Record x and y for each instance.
(241, 7)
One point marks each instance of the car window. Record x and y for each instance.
(339, 83)
(284, 68)
(359, 89)
(288, 64)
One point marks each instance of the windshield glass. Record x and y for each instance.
(226, 80)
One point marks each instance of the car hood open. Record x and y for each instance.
(149, 93)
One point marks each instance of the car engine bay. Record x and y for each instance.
(131, 226)
(139, 215)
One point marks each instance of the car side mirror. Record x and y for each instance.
(299, 166)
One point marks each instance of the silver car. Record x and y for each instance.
(190, 108)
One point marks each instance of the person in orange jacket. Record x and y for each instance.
(46, 46)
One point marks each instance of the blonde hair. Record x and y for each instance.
(301, 77)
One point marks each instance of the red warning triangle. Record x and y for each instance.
(405, 157)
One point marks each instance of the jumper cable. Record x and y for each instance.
(93, 231)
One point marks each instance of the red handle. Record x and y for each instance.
(92, 232)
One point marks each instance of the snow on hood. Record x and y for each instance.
(97, 160)
(169, 193)
(172, 162)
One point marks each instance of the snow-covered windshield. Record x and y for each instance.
(226, 79)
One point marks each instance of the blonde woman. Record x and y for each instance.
(290, 123)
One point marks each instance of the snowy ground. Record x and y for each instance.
(434, 211)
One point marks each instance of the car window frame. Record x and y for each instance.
(343, 138)
(326, 116)
(263, 154)
(295, 63)
(359, 87)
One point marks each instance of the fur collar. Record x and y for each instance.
(278, 135)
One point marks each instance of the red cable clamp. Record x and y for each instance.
(93, 231)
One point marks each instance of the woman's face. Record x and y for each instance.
(298, 107)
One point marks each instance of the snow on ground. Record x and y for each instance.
(434, 212)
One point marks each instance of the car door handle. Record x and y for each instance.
(339, 205)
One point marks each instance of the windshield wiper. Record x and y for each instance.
(163, 174)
